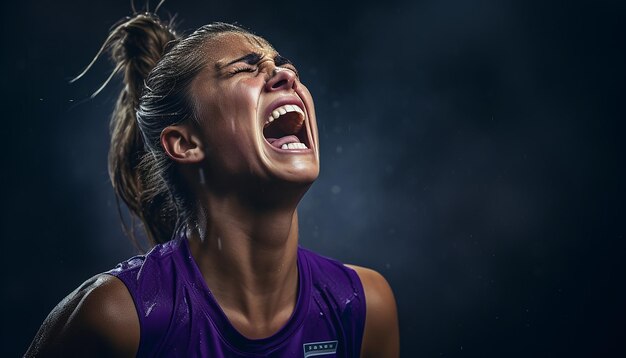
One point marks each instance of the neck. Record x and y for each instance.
(248, 257)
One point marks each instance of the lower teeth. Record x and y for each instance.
(293, 146)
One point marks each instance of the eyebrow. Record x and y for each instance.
(253, 59)
(280, 60)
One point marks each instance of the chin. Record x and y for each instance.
(298, 173)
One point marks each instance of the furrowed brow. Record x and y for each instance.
(280, 60)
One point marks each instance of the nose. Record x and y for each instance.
(281, 79)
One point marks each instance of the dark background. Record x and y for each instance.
(472, 152)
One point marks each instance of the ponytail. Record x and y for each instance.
(136, 46)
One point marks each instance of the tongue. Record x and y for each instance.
(278, 142)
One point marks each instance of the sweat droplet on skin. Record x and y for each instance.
(232, 126)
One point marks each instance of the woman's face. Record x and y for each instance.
(256, 117)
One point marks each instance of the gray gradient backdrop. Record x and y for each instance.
(472, 152)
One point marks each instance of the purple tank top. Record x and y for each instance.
(179, 317)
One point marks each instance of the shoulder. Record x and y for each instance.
(381, 335)
(98, 318)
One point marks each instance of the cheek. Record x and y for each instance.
(308, 97)
(229, 108)
(230, 122)
(310, 106)
(243, 100)
(238, 109)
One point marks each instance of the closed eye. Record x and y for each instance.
(237, 70)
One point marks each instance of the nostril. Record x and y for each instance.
(279, 84)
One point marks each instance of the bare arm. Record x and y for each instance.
(381, 337)
(98, 319)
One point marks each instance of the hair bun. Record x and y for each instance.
(136, 45)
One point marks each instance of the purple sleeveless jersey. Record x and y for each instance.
(179, 317)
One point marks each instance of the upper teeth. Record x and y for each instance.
(282, 110)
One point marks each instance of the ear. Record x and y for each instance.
(182, 144)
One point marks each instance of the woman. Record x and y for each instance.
(214, 143)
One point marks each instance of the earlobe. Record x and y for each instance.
(182, 145)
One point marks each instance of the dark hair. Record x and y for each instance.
(158, 67)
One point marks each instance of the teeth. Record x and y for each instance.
(285, 109)
(293, 146)
(282, 110)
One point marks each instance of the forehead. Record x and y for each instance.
(228, 46)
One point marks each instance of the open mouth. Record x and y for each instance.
(285, 128)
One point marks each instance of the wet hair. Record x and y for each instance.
(158, 66)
